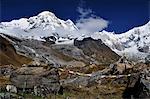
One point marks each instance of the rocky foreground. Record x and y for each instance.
(119, 80)
(31, 69)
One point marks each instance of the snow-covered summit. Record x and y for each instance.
(44, 20)
(47, 13)
(44, 24)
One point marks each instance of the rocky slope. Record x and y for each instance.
(63, 54)
(97, 50)
(9, 55)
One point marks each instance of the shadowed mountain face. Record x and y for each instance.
(8, 54)
(97, 49)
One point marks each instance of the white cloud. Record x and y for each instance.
(90, 23)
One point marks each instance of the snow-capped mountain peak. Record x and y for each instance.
(45, 20)
(36, 27)
(46, 13)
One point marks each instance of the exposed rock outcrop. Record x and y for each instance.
(141, 87)
(45, 78)
(97, 50)
(8, 54)
(121, 66)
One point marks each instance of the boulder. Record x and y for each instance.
(141, 88)
(26, 78)
(11, 88)
(121, 66)
(144, 49)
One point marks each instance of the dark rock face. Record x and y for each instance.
(50, 40)
(144, 49)
(97, 49)
(141, 88)
(147, 60)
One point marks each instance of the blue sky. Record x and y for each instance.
(121, 15)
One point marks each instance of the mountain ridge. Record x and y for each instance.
(133, 43)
